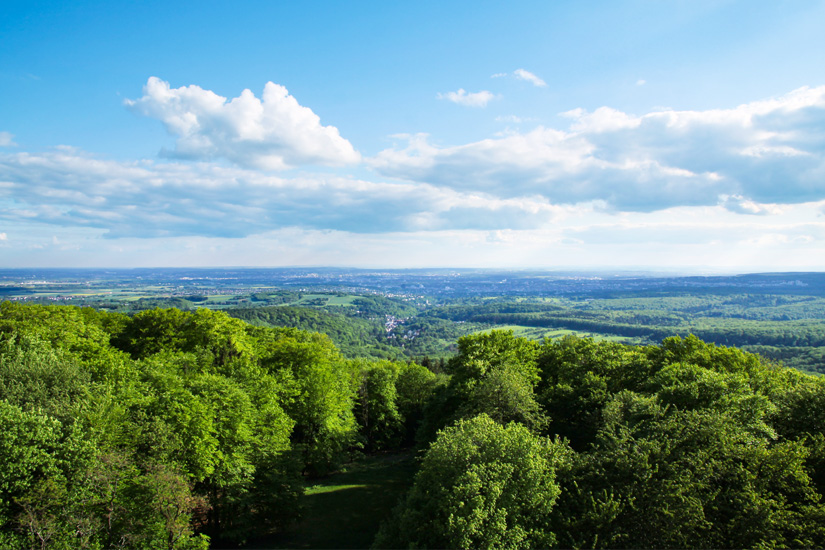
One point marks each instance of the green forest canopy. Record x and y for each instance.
(173, 429)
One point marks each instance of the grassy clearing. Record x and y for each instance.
(538, 333)
(345, 510)
(533, 333)
(307, 297)
(341, 300)
(322, 300)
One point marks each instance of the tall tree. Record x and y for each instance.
(481, 485)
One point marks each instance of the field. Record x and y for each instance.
(533, 333)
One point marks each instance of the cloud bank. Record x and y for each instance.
(148, 199)
(746, 158)
(271, 133)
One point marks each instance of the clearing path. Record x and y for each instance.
(345, 509)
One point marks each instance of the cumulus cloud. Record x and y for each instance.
(165, 199)
(6, 139)
(556, 166)
(274, 132)
(3, 237)
(521, 74)
(761, 153)
(468, 99)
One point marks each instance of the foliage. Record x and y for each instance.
(171, 428)
(132, 450)
(664, 477)
(322, 389)
(354, 336)
(415, 388)
(481, 485)
(35, 376)
(377, 409)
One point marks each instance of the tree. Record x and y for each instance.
(664, 477)
(169, 503)
(478, 354)
(376, 408)
(578, 377)
(35, 376)
(505, 396)
(495, 374)
(481, 485)
(321, 393)
(69, 329)
(41, 458)
(212, 332)
(415, 387)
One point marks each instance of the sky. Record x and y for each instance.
(670, 135)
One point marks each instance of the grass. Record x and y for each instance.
(341, 300)
(324, 489)
(533, 333)
(538, 333)
(345, 510)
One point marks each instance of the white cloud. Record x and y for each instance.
(151, 213)
(682, 241)
(6, 139)
(603, 119)
(469, 99)
(148, 199)
(761, 153)
(641, 82)
(520, 160)
(521, 74)
(274, 132)
(498, 75)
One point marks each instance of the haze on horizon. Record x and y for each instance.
(669, 135)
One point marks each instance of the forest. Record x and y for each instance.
(193, 429)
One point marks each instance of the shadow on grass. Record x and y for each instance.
(346, 509)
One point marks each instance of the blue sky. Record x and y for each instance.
(680, 135)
